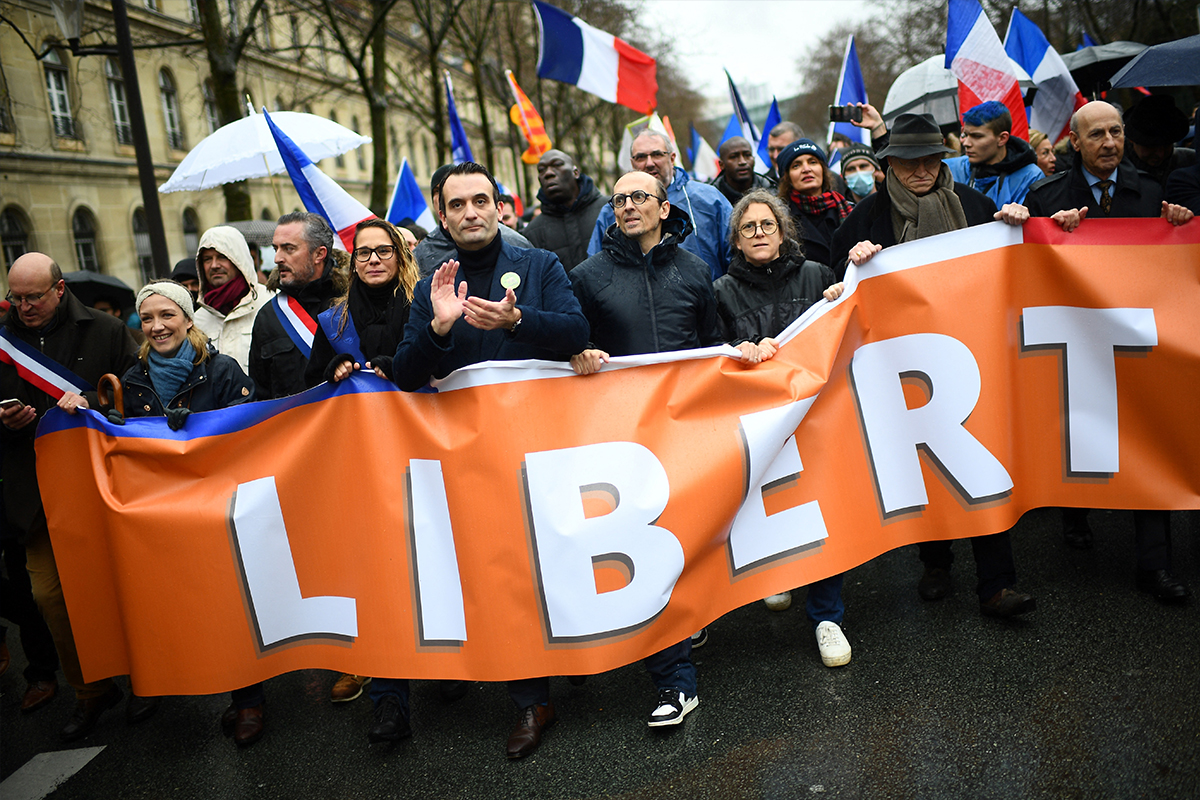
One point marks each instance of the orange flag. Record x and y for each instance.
(526, 117)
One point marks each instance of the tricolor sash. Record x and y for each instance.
(346, 342)
(299, 326)
(39, 370)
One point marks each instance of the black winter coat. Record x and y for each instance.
(90, 343)
(215, 383)
(871, 220)
(816, 232)
(753, 301)
(1135, 194)
(733, 195)
(1183, 188)
(656, 303)
(276, 364)
(566, 230)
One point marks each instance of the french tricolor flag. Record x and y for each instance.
(976, 57)
(320, 193)
(1057, 96)
(571, 51)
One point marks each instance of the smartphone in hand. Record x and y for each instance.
(845, 114)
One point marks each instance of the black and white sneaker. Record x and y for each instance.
(673, 706)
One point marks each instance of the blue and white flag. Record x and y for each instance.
(773, 119)
(851, 89)
(408, 202)
(460, 148)
(745, 123)
(704, 160)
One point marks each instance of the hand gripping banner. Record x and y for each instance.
(526, 521)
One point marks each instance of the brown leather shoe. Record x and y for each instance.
(248, 727)
(528, 734)
(38, 694)
(347, 688)
(1007, 603)
(87, 713)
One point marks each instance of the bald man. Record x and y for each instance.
(737, 170)
(570, 205)
(52, 323)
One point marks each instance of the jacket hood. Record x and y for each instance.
(790, 260)
(676, 227)
(587, 193)
(230, 243)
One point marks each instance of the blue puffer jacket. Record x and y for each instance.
(1005, 182)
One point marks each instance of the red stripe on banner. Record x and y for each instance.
(637, 81)
(1105, 231)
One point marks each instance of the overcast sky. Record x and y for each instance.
(758, 41)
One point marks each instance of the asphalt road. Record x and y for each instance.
(1096, 694)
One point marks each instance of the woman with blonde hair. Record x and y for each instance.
(364, 326)
(1043, 150)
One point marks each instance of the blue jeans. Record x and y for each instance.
(825, 601)
(396, 687)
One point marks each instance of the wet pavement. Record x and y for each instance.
(1096, 694)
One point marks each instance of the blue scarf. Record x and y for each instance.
(167, 373)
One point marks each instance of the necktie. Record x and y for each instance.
(1105, 197)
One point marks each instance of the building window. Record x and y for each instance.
(194, 10)
(191, 231)
(152, 5)
(322, 54)
(14, 234)
(170, 102)
(83, 225)
(234, 22)
(116, 99)
(339, 160)
(6, 120)
(141, 244)
(264, 25)
(297, 48)
(210, 107)
(60, 100)
(358, 151)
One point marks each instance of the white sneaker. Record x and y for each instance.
(779, 602)
(673, 706)
(835, 650)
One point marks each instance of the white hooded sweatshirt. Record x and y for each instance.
(230, 333)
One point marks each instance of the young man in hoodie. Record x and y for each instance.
(570, 205)
(996, 163)
(229, 294)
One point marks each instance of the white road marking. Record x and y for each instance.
(45, 772)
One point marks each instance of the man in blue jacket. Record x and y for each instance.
(707, 208)
(996, 163)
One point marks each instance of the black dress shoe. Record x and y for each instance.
(390, 723)
(450, 691)
(1164, 586)
(934, 584)
(528, 734)
(1007, 603)
(87, 713)
(248, 725)
(140, 709)
(1078, 535)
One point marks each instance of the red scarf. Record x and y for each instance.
(225, 297)
(816, 205)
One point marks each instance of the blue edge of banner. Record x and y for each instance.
(213, 423)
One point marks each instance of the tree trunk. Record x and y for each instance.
(437, 88)
(222, 63)
(485, 126)
(379, 133)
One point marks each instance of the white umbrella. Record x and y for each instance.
(245, 149)
(930, 88)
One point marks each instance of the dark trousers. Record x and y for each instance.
(17, 606)
(1151, 534)
(994, 567)
(395, 687)
(669, 668)
(249, 696)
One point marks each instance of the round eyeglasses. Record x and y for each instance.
(638, 197)
(750, 229)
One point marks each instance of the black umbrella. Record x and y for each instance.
(1091, 67)
(92, 286)
(1174, 63)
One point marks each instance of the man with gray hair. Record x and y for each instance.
(778, 138)
(308, 279)
(708, 210)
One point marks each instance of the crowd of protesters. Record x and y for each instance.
(663, 262)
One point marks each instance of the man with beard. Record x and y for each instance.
(570, 205)
(230, 294)
(737, 170)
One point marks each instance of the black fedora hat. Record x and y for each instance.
(915, 136)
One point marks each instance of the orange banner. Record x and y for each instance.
(526, 521)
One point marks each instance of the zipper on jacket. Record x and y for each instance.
(653, 314)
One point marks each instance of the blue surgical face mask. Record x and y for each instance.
(861, 182)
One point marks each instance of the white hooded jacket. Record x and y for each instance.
(230, 333)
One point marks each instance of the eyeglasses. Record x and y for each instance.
(653, 155)
(750, 229)
(28, 299)
(638, 197)
(384, 251)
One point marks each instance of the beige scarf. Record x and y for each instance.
(936, 212)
